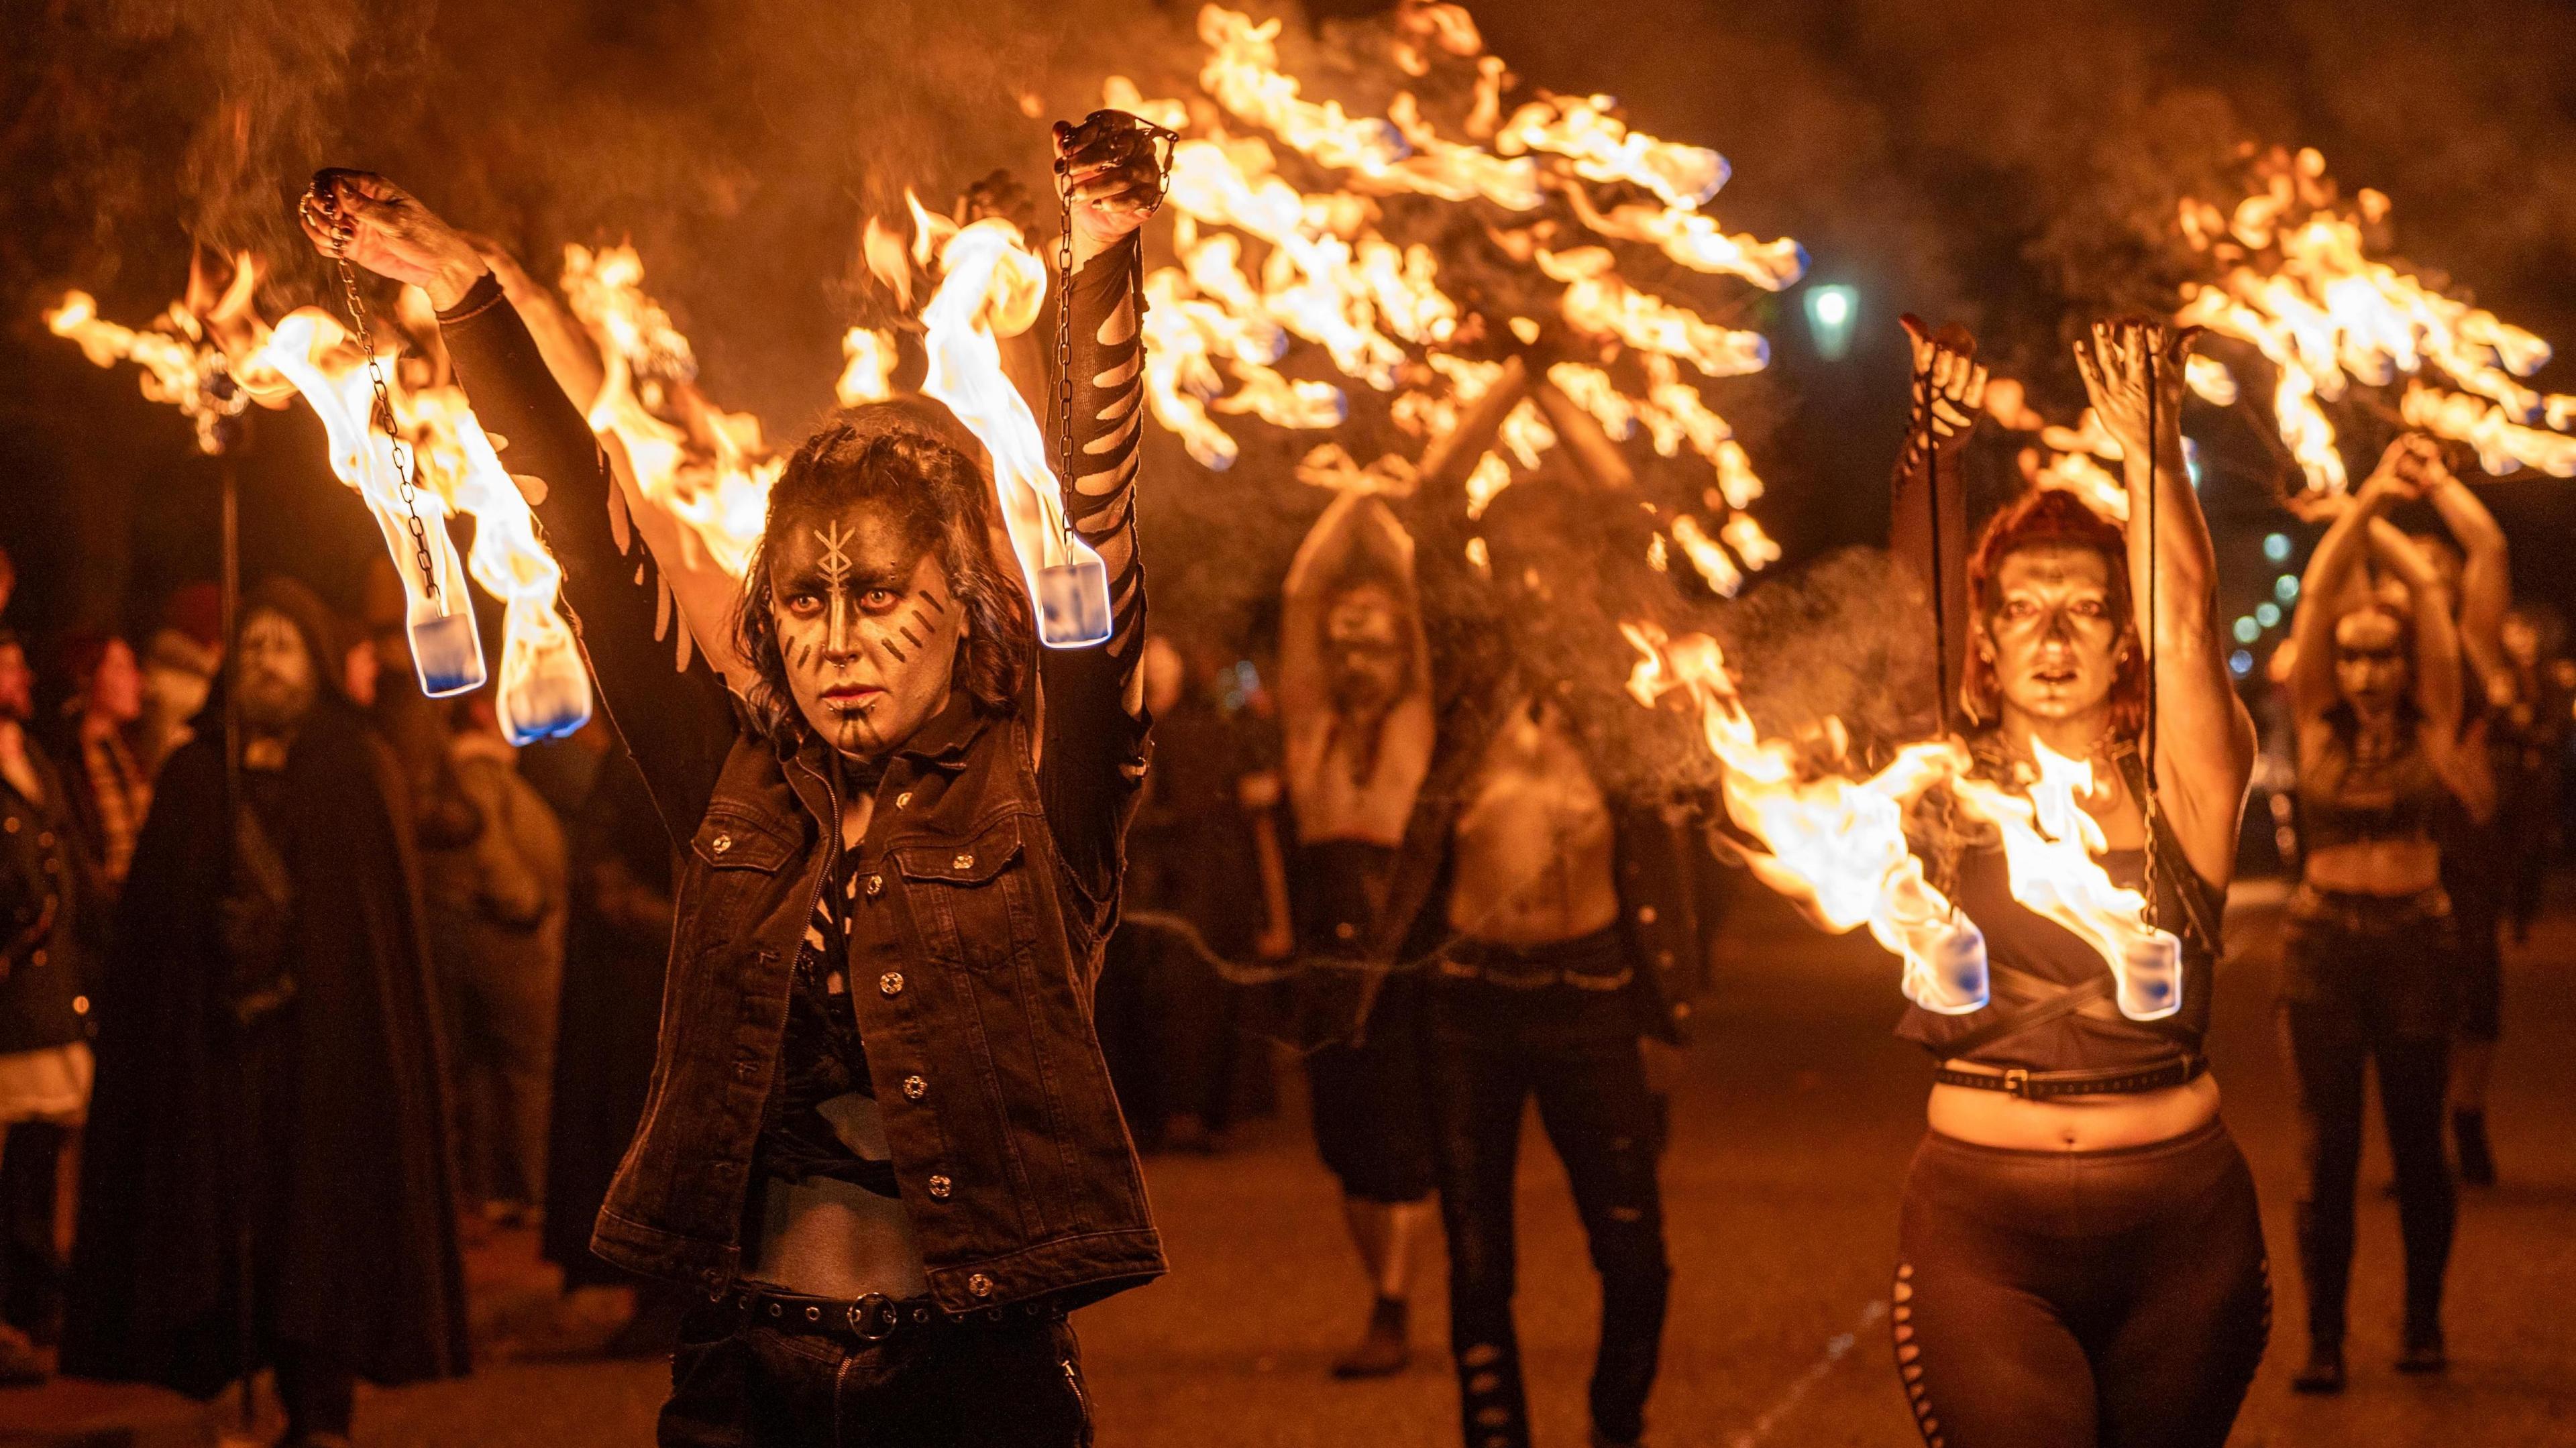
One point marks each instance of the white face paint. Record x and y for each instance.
(867, 626)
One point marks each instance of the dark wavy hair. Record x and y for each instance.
(2047, 517)
(909, 457)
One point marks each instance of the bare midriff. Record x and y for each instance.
(2389, 867)
(2071, 1123)
(1535, 854)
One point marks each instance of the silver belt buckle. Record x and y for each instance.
(2017, 1082)
(873, 1317)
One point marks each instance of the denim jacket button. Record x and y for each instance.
(876, 884)
(914, 1088)
(980, 1285)
(891, 983)
(963, 862)
(903, 799)
(940, 1187)
(721, 843)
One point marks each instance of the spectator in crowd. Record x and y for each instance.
(2529, 746)
(44, 1057)
(107, 788)
(496, 928)
(180, 661)
(618, 942)
(271, 1118)
(1197, 899)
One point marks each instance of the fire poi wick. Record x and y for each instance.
(325, 203)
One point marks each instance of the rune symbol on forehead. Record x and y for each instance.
(836, 562)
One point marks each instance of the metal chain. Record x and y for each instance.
(1064, 367)
(383, 415)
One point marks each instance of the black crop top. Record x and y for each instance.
(2344, 799)
(2030, 959)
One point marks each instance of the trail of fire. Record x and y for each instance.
(544, 688)
(1380, 312)
(1837, 846)
(2290, 275)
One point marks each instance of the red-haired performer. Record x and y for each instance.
(2080, 1257)
(881, 1142)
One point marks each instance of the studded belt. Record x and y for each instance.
(873, 1318)
(2046, 1085)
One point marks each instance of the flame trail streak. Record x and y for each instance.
(1837, 845)
(544, 688)
(1323, 271)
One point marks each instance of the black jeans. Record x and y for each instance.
(1016, 1383)
(1493, 1048)
(2371, 985)
(2053, 1299)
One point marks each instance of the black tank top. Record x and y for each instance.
(2030, 959)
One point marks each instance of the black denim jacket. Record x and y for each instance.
(988, 883)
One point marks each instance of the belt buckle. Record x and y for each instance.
(2017, 1082)
(873, 1317)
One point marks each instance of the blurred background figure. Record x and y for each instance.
(44, 1057)
(107, 787)
(2529, 745)
(496, 934)
(615, 949)
(1355, 688)
(271, 1119)
(1197, 899)
(180, 660)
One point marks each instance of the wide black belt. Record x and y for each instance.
(2046, 1085)
(873, 1318)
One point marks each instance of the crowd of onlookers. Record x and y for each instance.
(536, 883)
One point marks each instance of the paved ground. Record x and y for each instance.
(1791, 1137)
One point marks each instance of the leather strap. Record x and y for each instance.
(2065, 1003)
(2045, 1085)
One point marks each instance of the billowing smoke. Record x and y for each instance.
(2011, 164)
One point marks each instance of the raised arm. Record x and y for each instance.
(2204, 739)
(1927, 524)
(1092, 759)
(2486, 575)
(2326, 588)
(1437, 514)
(676, 717)
(1354, 526)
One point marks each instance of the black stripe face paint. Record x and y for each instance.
(864, 627)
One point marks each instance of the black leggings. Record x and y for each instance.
(2051, 1299)
(1494, 1049)
(2368, 986)
(2332, 1047)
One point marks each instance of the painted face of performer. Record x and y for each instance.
(867, 625)
(275, 671)
(2371, 668)
(2051, 632)
(1365, 646)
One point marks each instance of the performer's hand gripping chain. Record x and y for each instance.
(320, 208)
(1102, 165)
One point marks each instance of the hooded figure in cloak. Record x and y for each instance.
(269, 1066)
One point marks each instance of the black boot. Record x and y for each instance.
(2324, 1372)
(2477, 1164)
(2424, 1351)
(1386, 1348)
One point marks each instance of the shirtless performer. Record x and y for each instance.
(1553, 914)
(1355, 690)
